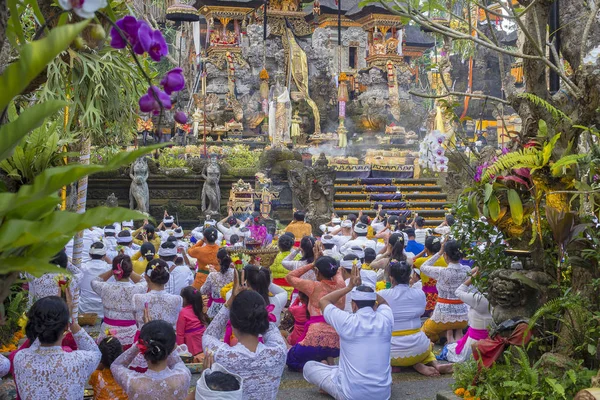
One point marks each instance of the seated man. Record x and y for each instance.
(360, 239)
(412, 246)
(298, 227)
(364, 368)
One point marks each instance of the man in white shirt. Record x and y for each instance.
(89, 300)
(90, 236)
(368, 278)
(331, 249)
(360, 239)
(235, 227)
(364, 370)
(181, 276)
(343, 234)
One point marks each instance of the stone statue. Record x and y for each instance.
(280, 115)
(138, 191)
(321, 193)
(211, 193)
(112, 201)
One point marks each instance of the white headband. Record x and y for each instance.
(336, 220)
(348, 264)
(167, 252)
(124, 239)
(417, 271)
(178, 233)
(109, 230)
(127, 223)
(358, 295)
(360, 228)
(101, 251)
(346, 224)
(327, 239)
(210, 222)
(168, 220)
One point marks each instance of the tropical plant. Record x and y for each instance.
(514, 377)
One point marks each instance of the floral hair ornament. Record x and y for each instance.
(141, 345)
(436, 240)
(109, 333)
(271, 316)
(149, 270)
(119, 271)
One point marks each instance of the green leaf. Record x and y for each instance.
(572, 375)
(557, 387)
(489, 189)
(33, 59)
(542, 128)
(15, 22)
(557, 168)
(516, 207)
(548, 148)
(494, 208)
(472, 206)
(592, 349)
(525, 280)
(12, 133)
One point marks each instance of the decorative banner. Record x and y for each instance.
(351, 171)
(196, 35)
(342, 109)
(395, 171)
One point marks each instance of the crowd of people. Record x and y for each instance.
(344, 306)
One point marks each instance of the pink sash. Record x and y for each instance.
(476, 334)
(312, 320)
(213, 300)
(119, 322)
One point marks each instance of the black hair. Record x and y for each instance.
(304, 298)
(60, 259)
(410, 232)
(160, 271)
(159, 338)
(210, 235)
(285, 242)
(401, 222)
(307, 245)
(224, 259)
(401, 272)
(329, 246)
(327, 266)
(96, 245)
(450, 219)
(398, 251)
(255, 217)
(193, 297)
(249, 314)
(126, 265)
(433, 244)
(233, 239)
(168, 224)
(218, 381)
(47, 320)
(364, 303)
(111, 348)
(393, 222)
(420, 222)
(147, 248)
(168, 245)
(259, 280)
(232, 221)
(370, 255)
(394, 238)
(125, 233)
(109, 234)
(452, 249)
(178, 260)
(149, 228)
(290, 234)
(171, 238)
(299, 216)
(365, 219)
(352, 217)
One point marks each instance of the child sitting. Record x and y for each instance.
(285, 243)
(102, 381)
(192, 321)
(299, 310)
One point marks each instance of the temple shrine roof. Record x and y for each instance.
(330, 6)
(413, 36)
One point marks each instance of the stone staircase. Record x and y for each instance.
(397, 196)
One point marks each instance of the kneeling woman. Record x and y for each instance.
(410, 346)
(321, 342)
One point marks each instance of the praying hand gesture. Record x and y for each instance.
(355, 279)
(239, 285)
(318, 250)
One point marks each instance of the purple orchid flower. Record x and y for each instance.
(173, 81)
(148, 101)
(152, 42)
(180, 117)
(129, 25)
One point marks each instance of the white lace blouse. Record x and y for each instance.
(260, 370)
(117, 299)
(47, 285)
(448, 280)
(51, 373)
(291, 264)
(172, 382)
(213, 285)
(4, 365)
(161, 305)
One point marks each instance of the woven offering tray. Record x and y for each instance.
(267, 255)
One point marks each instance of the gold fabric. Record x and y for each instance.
(299, 66)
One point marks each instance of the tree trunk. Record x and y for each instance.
(81, 200)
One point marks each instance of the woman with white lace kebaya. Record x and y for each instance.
(259, 364)
(450, 314)
(159, 303)
(45, 370)
(167, 376)
(117, 299)
(215, 281)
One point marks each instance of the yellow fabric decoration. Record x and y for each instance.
(379, 285)
(226, 289)
(406, 332)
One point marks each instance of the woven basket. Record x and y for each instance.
(267, 255)
(87, 319)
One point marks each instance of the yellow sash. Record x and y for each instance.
(406, 332)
